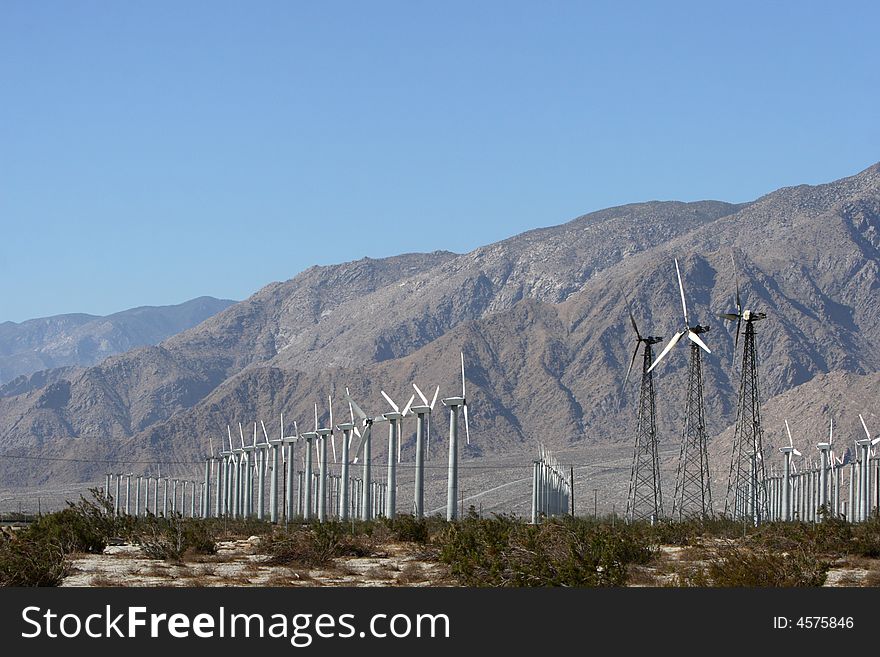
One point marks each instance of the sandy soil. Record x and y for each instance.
(237, 564)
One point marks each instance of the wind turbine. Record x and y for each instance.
(308, 469)
(786, 474)
(864, 471)
(346, 428)
(825, 451)
(395, 422)
(645, 499)
(364, 450)
(746, 490)
(322, 434)
(423, 427)
(454, 403)
(693, 491)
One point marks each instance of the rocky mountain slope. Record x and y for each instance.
(542, 321)
(84, 340)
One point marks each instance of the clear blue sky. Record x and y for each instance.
(152, 152)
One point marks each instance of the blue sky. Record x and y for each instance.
(152, 152)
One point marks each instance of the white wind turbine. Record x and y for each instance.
(786, 474)
(423, 427)
(364, 450)
(692, 332)
(454, 403)
(693, 490)
(395, 423)
(865, 445)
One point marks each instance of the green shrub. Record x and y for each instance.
(25, 562)
(174, 537)
(314, 545)
(408, 529)
(740, 566)
(505, 551)
(84, 526)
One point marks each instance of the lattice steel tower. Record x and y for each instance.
(746, 488)
(693, 490)
(645, 499)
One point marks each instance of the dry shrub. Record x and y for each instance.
(24, 562)
(313, 546)
(731, 565)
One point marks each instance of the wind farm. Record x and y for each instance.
(520, 390)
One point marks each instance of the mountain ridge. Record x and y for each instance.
(540, 316)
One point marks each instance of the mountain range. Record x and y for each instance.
(81, 340)
(541, 318)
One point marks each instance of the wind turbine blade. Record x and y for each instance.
(428, 445)
(736, 279)
(229, 433)
(330, 401)
(265, 435)
(434, 400)
(667, 349)
(681, 290)
(467, 430)
(463, 394)
(876, 440)
(357, 409)
(728, 316)
(408, 405)
(693, 337)
(255, 435)
(390, 401)
(241, 434)
(360, 448)
(796, 452)
(632, 319)
(788, 431)
(421, 396)
(831, 433)
(736, 340)
(316, 416)
(399, 440)
(865, 427)
(295, 429)
(333, 445)
(211, 440)
(631, 363)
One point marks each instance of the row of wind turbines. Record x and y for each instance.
(235, 478)
(751, 494)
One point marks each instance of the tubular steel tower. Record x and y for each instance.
(693, 492)
(645, 499)
(746, 489)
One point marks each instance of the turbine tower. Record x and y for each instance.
(693, 492)
(364, 448)
(746, 488)
(454, 403)
(423, 415)
(645, 499)
(395, 424)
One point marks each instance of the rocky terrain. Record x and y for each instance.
(541, 319)
(80, 340)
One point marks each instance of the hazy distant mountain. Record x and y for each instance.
(542, 321)
(83, 340)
